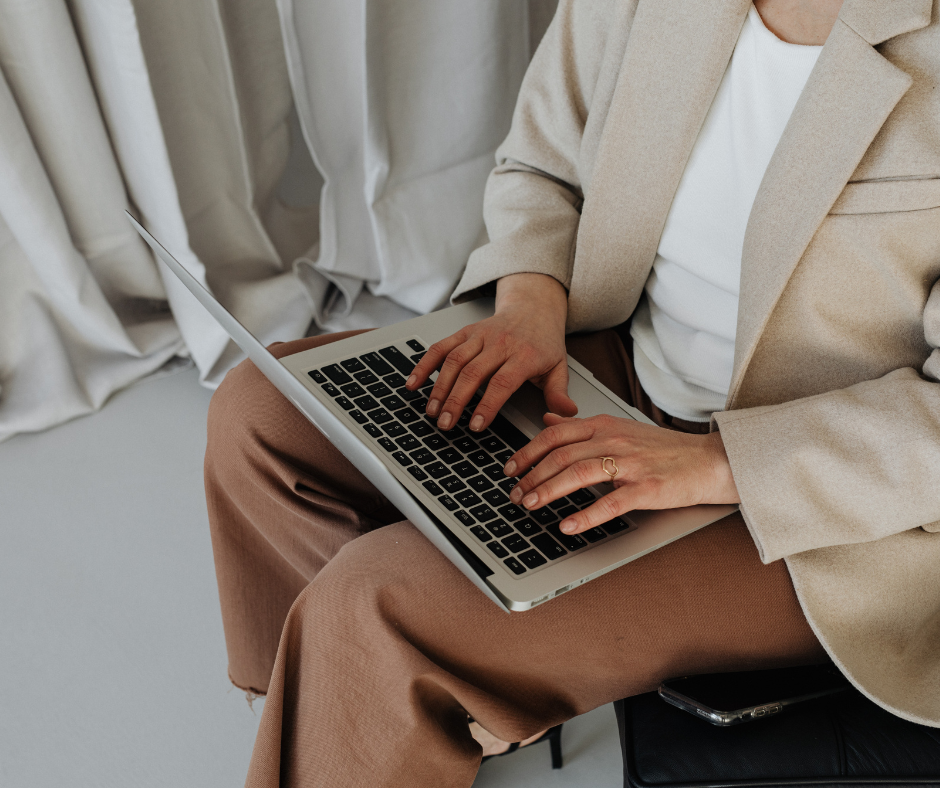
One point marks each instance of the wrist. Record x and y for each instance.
(723, 487)
(532, 292)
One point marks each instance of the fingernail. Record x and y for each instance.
(510, 469)
(411, 381)
(444, 421)
(568, 526)
(433, 407)
(515, 495)
(476, 423)
(530, 500)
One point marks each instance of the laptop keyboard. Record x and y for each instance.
(462, 470)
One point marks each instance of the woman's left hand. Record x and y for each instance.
(656, 468)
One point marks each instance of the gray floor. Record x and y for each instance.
(111, 650)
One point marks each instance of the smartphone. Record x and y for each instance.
(733, 698)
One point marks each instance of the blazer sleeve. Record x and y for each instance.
(848, 466)
(533, 198)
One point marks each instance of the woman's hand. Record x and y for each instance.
(523, 340)
(656, 468)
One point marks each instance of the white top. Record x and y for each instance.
(684, 326)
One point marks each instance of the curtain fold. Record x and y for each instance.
(180, 110)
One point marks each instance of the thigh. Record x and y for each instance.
(704, 603)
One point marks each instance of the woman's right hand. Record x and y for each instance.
(523, 340)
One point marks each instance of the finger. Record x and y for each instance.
(455, 361)
(555, 387)
(556, 462)
(578, 474)
(551, 419)
(620, 501)
(432, 359)
(569, 431)
(503, 381)
(486, 366)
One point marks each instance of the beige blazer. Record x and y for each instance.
(832, 425)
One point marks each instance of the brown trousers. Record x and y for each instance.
(372, 648)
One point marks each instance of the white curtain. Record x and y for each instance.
(181, 111)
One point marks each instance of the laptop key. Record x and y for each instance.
(480, 484)
(464, 420)
(422, 456)
(437, 470)
(465, 445)
(448, 503)
(515, 543)
(498, 550)
(421, 428)
(380, 416)
(512, 512)
(352, 390)
(352, 365)
(401, 457)
(497, 498)
(465, 518)
(528, 528)
(337, 374)
(492, 445)
(494, 472)
(452, 484)
(386, 444)
(318, 377)
(415, 345)
(568, 511)
(374, 431)
(365, 377)
(544, 516)
(432, 488)
(464, 469)
(344, 403)
(407, 442)
(395, 380)
(480, 533)
(406, 416)
(561, 503)
(435, 442)
(408, 396)
(358, 416)
(479, 458)
(415, 471)
(467, 498)
(376, 363)
(393, 402)
(483, 513)
(379, 390)
(330, 389)
(594, 534)
(582, 497)
(548, 546)
(366, 403)
(615, 526)
(499, 529)
(532, 559)
(506, 485)
(398, 359)
(514, 566)
(450, 456)
(393, 429)
(508, 433)
(416, 358)
(571, 541)
(502, 457)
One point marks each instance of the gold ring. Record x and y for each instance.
(611, 473)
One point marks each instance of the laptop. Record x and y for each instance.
(450, 485)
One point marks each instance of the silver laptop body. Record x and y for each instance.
(455, 494)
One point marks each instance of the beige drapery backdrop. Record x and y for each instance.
(180, 110)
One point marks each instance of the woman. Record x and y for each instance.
(740, 226)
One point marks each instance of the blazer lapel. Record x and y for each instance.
(677, 53)
(847, 99)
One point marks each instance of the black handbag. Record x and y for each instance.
(842, 740)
